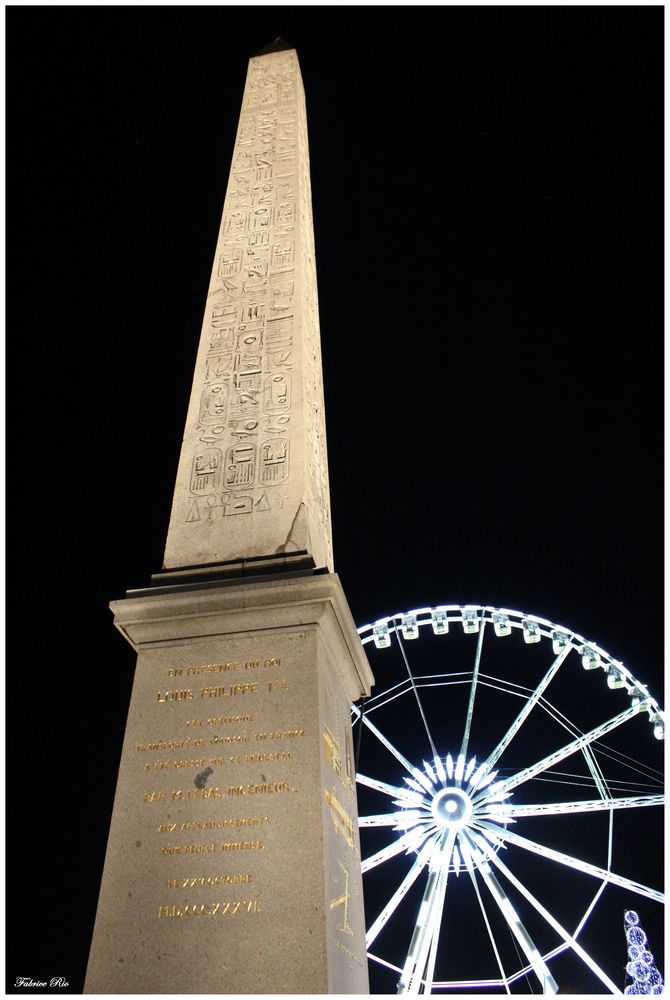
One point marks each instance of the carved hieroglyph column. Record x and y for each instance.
(233, 860)
(253, 477)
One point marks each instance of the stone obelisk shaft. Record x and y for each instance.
(252, 481)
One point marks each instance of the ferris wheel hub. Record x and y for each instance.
(451, 807)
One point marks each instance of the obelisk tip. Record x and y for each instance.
(279, 45)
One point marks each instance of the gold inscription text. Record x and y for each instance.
(191, 881)
(230, 908)
(266, 788)
(229, 690)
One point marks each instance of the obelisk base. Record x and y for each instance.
(233, 861)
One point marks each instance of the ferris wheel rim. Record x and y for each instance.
(460, 614)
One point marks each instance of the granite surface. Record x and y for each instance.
(252, 480)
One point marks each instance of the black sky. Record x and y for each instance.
(487, 194)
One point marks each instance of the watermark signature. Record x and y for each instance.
(39, 984)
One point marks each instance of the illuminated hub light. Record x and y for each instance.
(487, 779)
(439, 769)
(470, 622)
(415, 784)
(501, 625)
(478, 775)
(659, 729)
(380, 634)
(434, 805)
(559, 641)
(429, 771)
(451, 807)
(590, 659)
(409, 799)
(409, 817)
(439, 621)
(421, 778)
(531, 631)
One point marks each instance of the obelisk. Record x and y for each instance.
(233, 860)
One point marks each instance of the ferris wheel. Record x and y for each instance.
(510, 800)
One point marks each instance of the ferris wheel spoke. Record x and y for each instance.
(568, 938)
(473, 877)
(596, 772)
(514, 922)
(387, 743)
(527, 708)
(437, 926)
(589, 910)
(402, 890)
(408, 797)
(572, 862)
(428, 920)
(473, 689)
(394, 819)
(580, 805)
(416, 692)
(410, 841)
(507, 784)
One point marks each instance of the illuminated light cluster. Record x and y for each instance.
(559, 640)
(501, 624)
(615, 678)
(638, 695)
(470, 622)
(531, 631)
(409, 627)
(475, 617)
(439, 621)
(380, 632)
(590, 659)
(640, 967)
(659, 728)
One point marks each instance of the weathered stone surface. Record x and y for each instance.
(252, 480)
(233, 862)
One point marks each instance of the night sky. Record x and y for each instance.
(487, 195)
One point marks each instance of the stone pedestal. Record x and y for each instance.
(233, 861)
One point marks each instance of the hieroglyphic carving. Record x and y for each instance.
(257, 398)
(247, 367)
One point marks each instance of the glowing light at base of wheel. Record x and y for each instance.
(640, 967)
